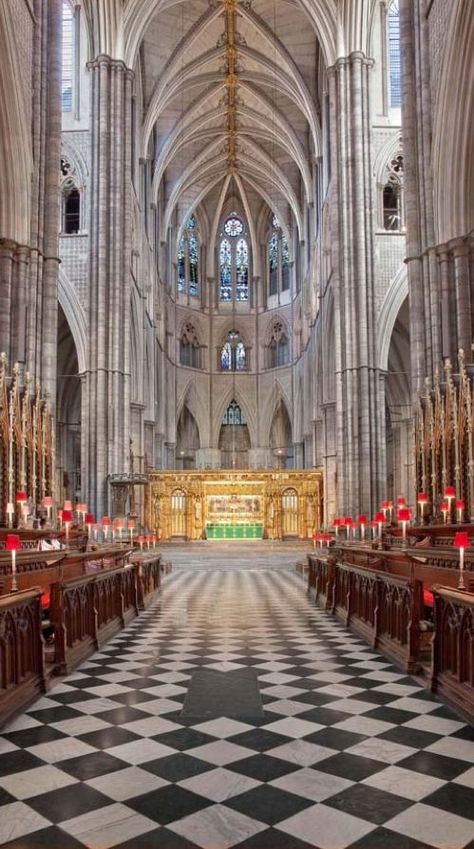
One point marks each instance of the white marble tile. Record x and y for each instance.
(33, 782)
(311, 784)
(381, 750)
(140, 751)
(164, 691)
(150, 726)
(219, 784)
(397, 689)
(157, 707)
(217, 826)
(80, 725)
(333, 829)
(331, 677)
(277, 677)
(126, 783)
(404, 782)
(293, 727)
(343, 691)
(415, 705)
(434, 724)
(466, 778)
(351, 705)
(301, 752)
(223, 727)
(7, 746)
(170, 677)
(433, 826)
(287, 707)
(221, 752)
(107, 690)
(363, 725)
(21, 723)
(17, 820)
(61, 750)
(453, 747)
(106, 827)
(92, 706)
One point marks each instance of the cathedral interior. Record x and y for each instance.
(237, 309)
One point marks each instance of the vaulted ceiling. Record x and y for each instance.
(231, 106)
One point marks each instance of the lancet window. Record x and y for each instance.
(188, 259)
(234, 261)
(67, 57)
(233, 354)
(392, 196)
(278, 348)
(393, 37)
(278, 256)
(189, 347)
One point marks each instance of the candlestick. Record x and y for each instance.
(461, 541)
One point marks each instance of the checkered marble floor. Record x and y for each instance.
(349, 752)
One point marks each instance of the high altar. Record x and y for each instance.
(234, 504)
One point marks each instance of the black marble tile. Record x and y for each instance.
(168, 804)
(437, 765)
(177, 767)
(375, 806)
(92, 765)
(268, 804)
(68, 802)
(263, 767)
(349, 766)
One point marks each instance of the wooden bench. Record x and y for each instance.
(453, 649)
(21, 652)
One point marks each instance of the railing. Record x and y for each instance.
(21, 652)
(87, 611)
(148, 580)
(453, 649)
(384, 609)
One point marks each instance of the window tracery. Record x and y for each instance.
(234, 261)
(392, 196)
(278, 348)
(70, 199)
(278, 256)
(188, 259)
(233, 355)
(393, 35)
(234, 415)
(67, 57)
(189, 346)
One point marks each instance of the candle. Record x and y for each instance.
(461, 541)
(48, 504)
(67, 519)
(445, 510)
(422, 499)
(89, 522)
(450, 495)
(141, 540)
(348, 524)
(106, 523)
(362, 520)
(13, 544)
(10, 513)
(385, 506)
(459, 508)
(131, 528)
(379, 518)
(404, 515)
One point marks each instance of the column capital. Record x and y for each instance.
(104, 60)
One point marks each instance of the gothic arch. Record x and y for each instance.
(453, 131)
(75, 316)
(191, 399)
(395, 295)
(232, 392)
(15, 137)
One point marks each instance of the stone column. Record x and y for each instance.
(359, 424)
(107, 412)
(7, 253)
(460, 252)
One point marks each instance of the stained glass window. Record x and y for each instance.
(278, 255)
(233, 355)
(273, 263)
(67, 58)
(233, 226)
(394, 54)
(226, 357)
(225, 260)
(188, 259)
(242, 271)
(234, 415)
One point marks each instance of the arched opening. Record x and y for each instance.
(281, 439)
(398, 419)
(178, 513)
(234, 438)
(71, 222)
(68, 427)
(289, 513)
(187, 440)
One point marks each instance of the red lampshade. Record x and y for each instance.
(67, 505)
(141, 539)
(449, 492)
(90, 519)
(460, 505)
(461, 540)
(404, 514)
(379, 518)
(422, 498)
(21, 496)
(81, 508)
(48, 501)
(106, 521)
(385, 505)
(67, 516)
(444, 506)
(348, 521)
(119, 523)
(326, 537)
(401, 501)
(13, 542)
(362, 520)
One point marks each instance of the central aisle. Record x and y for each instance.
(334, 748)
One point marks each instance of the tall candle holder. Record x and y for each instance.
(461, 541)
(13, 544)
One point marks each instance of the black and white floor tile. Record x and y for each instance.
(348, 752)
